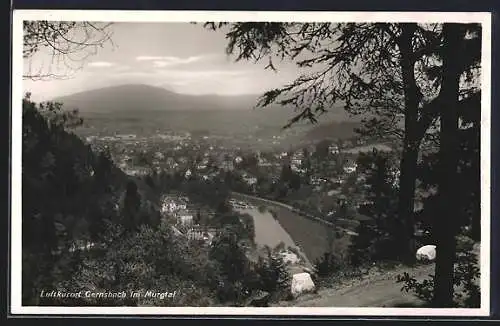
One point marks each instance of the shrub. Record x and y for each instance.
(227, 250)
(361, 249)
(297, 252)
(467, 292)
(327, 265)
(148, 259)
(273, 275)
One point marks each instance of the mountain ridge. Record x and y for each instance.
(146, 104)
(151, 98)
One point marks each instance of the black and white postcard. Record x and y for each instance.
(250, 163)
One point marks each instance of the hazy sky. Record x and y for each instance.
(182, 57)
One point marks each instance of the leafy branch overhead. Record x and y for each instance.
(356, 64)
(68, 44)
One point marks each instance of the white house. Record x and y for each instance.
(333, 149)
(90, 139)
(298, 154)
(395, 175)
(171, 206)
(250, 180)
(361, 178)
(264, 162)
(296, 161)
(227, 165)
(82, 246)
(186, 219)
(201, 166)
(350, 167)
(159, 156)
(164, 208)
(205, 235)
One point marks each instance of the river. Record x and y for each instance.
(268, 231)
(314, 235)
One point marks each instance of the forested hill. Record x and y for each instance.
(139, 97)
(70, 193)
(87, 227)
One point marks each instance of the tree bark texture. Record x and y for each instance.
(408, 164)
(446, 225)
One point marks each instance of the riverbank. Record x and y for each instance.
(296, 211)
(313, 237)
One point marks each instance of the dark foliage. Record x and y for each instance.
(69, 193)
(465, 280)
(376, 237)
(327, 265)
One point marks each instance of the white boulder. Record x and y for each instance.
(427, 252)
(301, 283)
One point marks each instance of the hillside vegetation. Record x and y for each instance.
(89, 228)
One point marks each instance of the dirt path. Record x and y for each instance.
(374, 291)
(377, 289)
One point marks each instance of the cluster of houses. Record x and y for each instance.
(211, 158)
(249, 179)
(235, 204)
(168, 151)
(179, 208)
(350, 166)
(297, 159)
(201, 234)
(333, 149)
(227, 165)
(179, 152)
(296, 162)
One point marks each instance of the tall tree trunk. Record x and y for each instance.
(408, 164)
(446, 225)
(406, 203)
